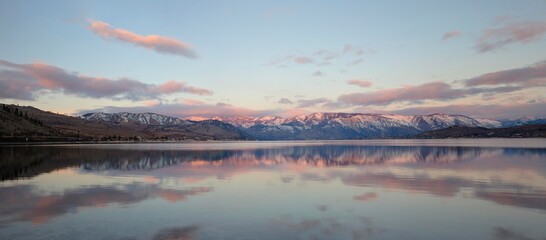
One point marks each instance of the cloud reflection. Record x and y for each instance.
(501, 233)
(366, 197)
(27, 203)
(176, 233)
(486, 173)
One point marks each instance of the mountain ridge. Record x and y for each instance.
(39, 125)
(349, 125)
(26, 123)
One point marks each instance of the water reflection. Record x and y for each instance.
(274, 192)
(180, 233)
(27, 162)
(27, 203)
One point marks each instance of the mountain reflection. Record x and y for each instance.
(26, 162)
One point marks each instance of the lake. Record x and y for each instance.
(372, 189)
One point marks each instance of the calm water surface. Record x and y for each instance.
(392, 189)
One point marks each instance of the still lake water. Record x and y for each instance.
(388, 189)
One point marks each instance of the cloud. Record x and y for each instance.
(317, 74)
(439, 91)
(26, 81)
(285, 101)
(321, 57)
(172, 86)
(495, 111)
(151, 103)
(486, 85)
(450, 35)
(355, 62)
(184, 109)
(287, 59)
(303, 60)
(160, 44)
(534, 75)
(433, 90)
(350, 49)
(311, 102)
(190, 101)
(519, 32)
(360, 83)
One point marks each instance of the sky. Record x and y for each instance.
(254, 58)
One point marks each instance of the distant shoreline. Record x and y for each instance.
(254, 141)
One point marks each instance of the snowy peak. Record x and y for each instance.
(349, 125)
(424, 122)
(138, 118)
(525, 120)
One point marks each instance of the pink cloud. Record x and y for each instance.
(534, 75)
(495, 111)
(450, 35)
(303, 60)
(160, 44)
(439, 91)
(151, 103)
(172, 86)
(433, 90)
(26, 81)
(520, 32)
(360, 83)
(191, 101)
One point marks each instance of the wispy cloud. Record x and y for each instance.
(303, 103)
(285, 101)
(303, 60)
(515, 32)
(317, 74)
(321, 57)
(355, 62)
(360, 83)
(27, 81)
(160, 44)
(450, 35)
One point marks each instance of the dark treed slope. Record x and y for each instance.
(24, 123)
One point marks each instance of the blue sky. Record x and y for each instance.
(250, 55)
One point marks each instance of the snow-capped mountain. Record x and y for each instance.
(525, 120)
(157, 125)
(312, 126)
(139, 118)
(349, 125)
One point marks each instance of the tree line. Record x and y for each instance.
(15, 111)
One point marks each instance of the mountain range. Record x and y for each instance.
(321, 125)
(24, 123)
